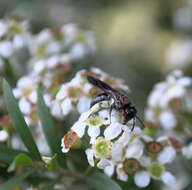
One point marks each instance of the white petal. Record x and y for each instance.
(83, 104)
(167, 155)
(24, 106)
(47, 99)
(66, 106)
(84, 116)
(109, 170)
(124, 138)
(134, 150)
(112, 131)
(167, 120)
(168, 178)
(187, 151)
(6, 49)
(142, 179)
(62, 93)
(3, 28)
(3, 136)
(93, 131)
(117, 152)
(89, 153)
(56, 109)
(145, 161)
(123, 177)
(185, 81)
(39, 66)
(79, 128)
(17, 92)
(103, 163)
(33, 97)
(64, 150)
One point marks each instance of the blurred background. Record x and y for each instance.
(139, 41)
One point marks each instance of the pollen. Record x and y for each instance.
(103, 148)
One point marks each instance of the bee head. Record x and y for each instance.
(130, 112)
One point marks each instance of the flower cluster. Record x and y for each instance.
(78, 93)
(53, 55)
(68, 40)
(169, 98)
(14, 35)
(111, 146)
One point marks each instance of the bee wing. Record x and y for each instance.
(100, 84)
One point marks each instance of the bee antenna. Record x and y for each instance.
(140, 120)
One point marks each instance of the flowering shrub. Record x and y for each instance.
(99, 148)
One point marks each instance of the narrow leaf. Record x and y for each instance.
(100, 181)
(11, 183)
(20, 160)
(50, 129)
(7, 155)
(19, 122)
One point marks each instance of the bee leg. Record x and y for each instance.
(110, 110)
(133, 126)
(111, 106)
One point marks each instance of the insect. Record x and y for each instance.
(113, 99)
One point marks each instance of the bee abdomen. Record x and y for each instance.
(99, 98)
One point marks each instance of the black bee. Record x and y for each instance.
(113, 99)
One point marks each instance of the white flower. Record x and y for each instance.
(167, 155)
(142, 179)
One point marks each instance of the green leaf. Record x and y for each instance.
(50, 130)
(7, 155)
(19, 122)
(100, 181)
(51, 165)
(20, 160)
(11, 183)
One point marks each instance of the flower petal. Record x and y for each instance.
(24, 106)
(112, 131)
(66, 106)
(168, 178)
(167, 155)
(167, 120)
(134, 150)
(83, 104)
(103, 163)
(64, 150)
(79, 128)
(90, 154)
(142, 179)
(109, 170)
